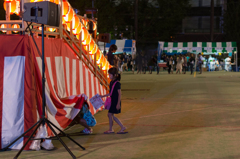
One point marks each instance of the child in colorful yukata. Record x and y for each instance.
(85, 118)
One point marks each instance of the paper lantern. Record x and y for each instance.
(87, 41)
(76, 22)
(91, 45)
(84, 21)
(94, 26)
(85, 47)
(106, 67)
(98, 53)
(100, 59)
(36, 0)
(104, 64)
(4, 26)
(13, 6)
(51, 29)
(68, 26)
(68, 18)
(15, 26)
(94, 49)
(78, 30)
(56, 1)
(65, 8)
(63, 20)
(84, 34)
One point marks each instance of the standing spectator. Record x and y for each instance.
(228, 63)
(170, 65)
(129, 62)
(156, 62)
(144, 64)
(188, 57)
(179, 64)
(133, 64)
(112, 49)
(200, 62)
(139, 63)
(184, 64)
(125, 62)
(191, 63)
(119, 64)
(151, 64)
(174, 61)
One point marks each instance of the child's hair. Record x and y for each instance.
(113, 47)
(114, 72)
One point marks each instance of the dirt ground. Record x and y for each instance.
(167, 116)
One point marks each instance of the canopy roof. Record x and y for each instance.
(128, 46)
(197, 47)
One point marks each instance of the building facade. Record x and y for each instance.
(196, 26)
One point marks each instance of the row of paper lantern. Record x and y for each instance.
(78, 26)
(90, 45)
(13, 26)
(70, 16)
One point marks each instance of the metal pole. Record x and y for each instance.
(43, 77)
(212, 20)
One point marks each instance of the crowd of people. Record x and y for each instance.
(140, 63)
(183, 63)
(144, 62)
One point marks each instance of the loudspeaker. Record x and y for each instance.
(47, 13)
(105, 37)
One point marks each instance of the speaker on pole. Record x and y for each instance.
(46, 13)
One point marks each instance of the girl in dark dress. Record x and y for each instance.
(115, 101)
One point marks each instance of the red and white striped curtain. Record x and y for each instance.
(68, 84)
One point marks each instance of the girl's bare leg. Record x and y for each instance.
(84, 123)
(119, 123)
(110, 117)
